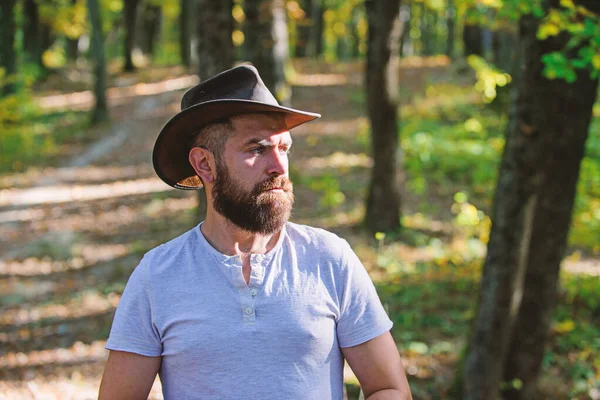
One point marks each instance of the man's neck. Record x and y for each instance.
(231, 240)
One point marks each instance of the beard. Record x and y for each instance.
(257, 210)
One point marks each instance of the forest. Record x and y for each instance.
(458, 153)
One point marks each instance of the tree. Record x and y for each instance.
(72, 44)
(383, 201)
(151, 26)
(130, 13)
(315, 41)
(472, 41)
(100, 112)
(8, 59)
(31, 31)
(215, 49)
(185, 13)
(267, 44)
(546, 135)
(303, 30)
(450, 17)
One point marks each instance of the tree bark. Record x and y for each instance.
(267, 44)
(215, 50)
(503, 45)
(472, 40)
(303, 30)
(72, 44)
(8, 59)
(315, 43)
(383, 201)
(546, 134)
(151, 26)
(100, 112)
(406, 42)
(426, 32)
(563, 113)
(130, 13)
(184, 32)
(450, 23)
(505, 58)
(31, 32)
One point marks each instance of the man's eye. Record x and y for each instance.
(285, 150)
(257, 150)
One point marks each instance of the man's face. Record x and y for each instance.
(252, 188)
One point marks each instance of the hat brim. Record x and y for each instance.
(171, 150)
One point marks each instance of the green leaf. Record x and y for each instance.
(546, 30)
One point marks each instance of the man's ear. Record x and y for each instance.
(202, 160)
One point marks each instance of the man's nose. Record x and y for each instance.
(278, 163)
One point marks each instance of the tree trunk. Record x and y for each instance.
(354, 36)
(151, 26)
(72, 44)
(505, 58)
(46, 38)
(546, 134)
(100, 112)
(8, 56)
(31, 32)
(503, 45)
(563, 113)
(184, 32)
(383, 201)
(406, 43)
(130, 13)
(426, 32)
(472, 40)
(215, 50)
(267, 44)
(315, 43)
(433, 29)
(72, 48)
(450, 17)
(303, 30)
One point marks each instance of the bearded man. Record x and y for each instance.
(246, 304)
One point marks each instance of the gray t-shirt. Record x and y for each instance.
(278, 337)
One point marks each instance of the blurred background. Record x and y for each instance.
(458, 153)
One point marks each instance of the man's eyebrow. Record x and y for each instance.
(266, 142)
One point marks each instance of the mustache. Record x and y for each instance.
(278, 182)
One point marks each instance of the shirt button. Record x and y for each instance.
(253, 291)
(248, 311)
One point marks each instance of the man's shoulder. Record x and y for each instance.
(174, 249)
(316, 239)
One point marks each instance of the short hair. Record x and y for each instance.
(214, 136)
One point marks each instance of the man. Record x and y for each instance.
(247, 304)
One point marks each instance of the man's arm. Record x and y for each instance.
(378, 367)
(128, 376)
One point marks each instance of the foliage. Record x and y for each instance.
(345, 26)
(488, 77)
(581, 24)
(29, 136)
(455, 146)
(583, 27)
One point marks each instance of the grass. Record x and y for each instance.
(33, 138)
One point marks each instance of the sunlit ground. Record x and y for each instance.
(73, 232)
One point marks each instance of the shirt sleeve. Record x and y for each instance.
(133, 329)
(362, 316)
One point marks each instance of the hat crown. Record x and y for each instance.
(239, 83)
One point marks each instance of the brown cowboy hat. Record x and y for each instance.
(239, 90)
